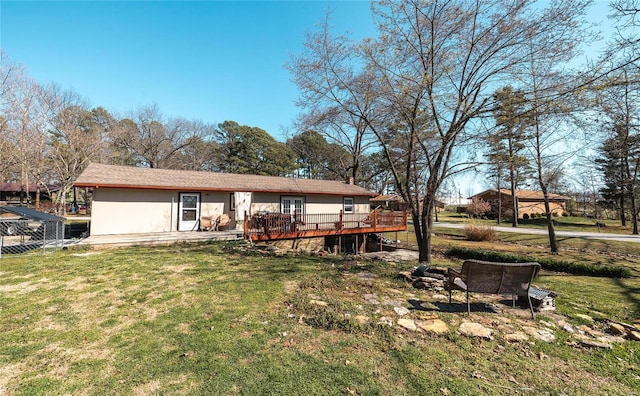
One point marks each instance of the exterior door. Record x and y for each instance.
(188, 211)
(291, 205)
(243, 204)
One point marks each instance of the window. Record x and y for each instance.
(347, 205)
(291, 205)
(232, 201)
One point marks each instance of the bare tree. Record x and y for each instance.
(618, 103)
(24, 128)
(149, 140)
(424, 80)
(334, 94)
(76, 136)
(625, 46)
(9, 72)
(549, 144)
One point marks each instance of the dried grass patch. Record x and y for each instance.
(479, 233)
(10, 371)
(175, 385)
(25, 287)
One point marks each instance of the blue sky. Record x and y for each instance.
(206, 60)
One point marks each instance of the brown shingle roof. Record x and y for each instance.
(526, 194)
(99, 175)
(390, 197)
(17, 187)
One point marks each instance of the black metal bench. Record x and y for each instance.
(478, 276)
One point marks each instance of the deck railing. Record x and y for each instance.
(267, 226)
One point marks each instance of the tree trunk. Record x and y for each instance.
(424, 246)
(553, 243)
(421, 241)
(514, 203)
(623, 217)
(513, 183)
(423, 223)
(499, 200)
(634, 214)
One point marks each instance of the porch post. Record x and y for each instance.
(375, 221)
(245, 225)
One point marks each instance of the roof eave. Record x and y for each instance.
(192, 188)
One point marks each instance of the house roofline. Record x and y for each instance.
(522, 194)
(192, 188)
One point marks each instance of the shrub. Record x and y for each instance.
(478, 207)
(607, 271)
(479, 233)
(525, 216)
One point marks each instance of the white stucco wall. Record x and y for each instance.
(314, 204)
(132, 211)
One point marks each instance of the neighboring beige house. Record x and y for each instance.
(130, 200)
(529, 202)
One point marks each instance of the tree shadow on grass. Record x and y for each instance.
(494, 306)
(631, 293)
(454, 307)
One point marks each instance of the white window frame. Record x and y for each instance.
(292, 200)
(345, 205)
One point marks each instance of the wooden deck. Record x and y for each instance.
(277, 226)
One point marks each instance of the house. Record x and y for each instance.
(530, 202)
(389, 202)
(13, 192)
(396, 202)
(130, 200)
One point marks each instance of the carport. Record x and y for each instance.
(24, 229)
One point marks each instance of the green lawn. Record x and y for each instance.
(211, 319)
(561, 223)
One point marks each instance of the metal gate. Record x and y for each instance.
(26, 230)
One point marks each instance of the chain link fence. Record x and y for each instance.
(38, 236)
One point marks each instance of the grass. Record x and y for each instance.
(551, 264)
(210, 319)
(577, 248)
(561, 223)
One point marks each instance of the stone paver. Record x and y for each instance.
(472, 329)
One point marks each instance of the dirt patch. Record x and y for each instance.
(148, 388)
(9, 372)
(290, 286)
(165, 385)
(177, 268)
(48, 323)
(76, 284)
(23, 288)
(184, 328)
(398, 255)
(85, 254)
